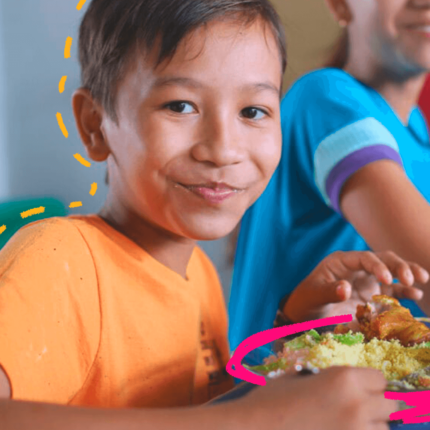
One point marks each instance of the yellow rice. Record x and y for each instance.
(393, 359)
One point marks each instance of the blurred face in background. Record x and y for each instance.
(392, 34)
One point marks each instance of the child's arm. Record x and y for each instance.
(390, 213)
(338, 398)
(345, 279)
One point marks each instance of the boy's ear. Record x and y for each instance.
(340, 10)
(88, 116)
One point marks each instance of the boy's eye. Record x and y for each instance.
(253, 113)
(180, 107)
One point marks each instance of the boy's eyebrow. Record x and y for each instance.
(192, 83)
(177, 80)
(263, 86)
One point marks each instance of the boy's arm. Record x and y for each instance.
(26, 415)
(390, 213)
(5, 392)
(338, 398)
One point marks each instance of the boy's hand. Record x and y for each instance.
(339, 398)
(345, 279)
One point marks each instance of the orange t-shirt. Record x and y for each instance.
(89, 318)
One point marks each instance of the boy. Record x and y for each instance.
(122, 310)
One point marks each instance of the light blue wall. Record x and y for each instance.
(4, 171)
(39, 159)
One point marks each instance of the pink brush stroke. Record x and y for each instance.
(419, 399)
(234, 366)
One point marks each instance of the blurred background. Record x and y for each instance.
(36, 160)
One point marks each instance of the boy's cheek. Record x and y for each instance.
(269, 161)
(269, 150)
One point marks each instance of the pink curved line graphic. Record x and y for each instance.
(234, 366)
(419, 399)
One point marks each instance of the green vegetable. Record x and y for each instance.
(425, 345)
(306, 340)
(315, 335)
(349, 338)
(297, 343)
(266, 368)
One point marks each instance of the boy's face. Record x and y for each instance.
(199, 137)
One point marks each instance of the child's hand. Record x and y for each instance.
(345, 279)
(338, 398)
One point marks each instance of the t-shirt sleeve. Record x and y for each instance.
(49, 311)
(340, 126)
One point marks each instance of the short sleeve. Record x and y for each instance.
(49, 311)
(340, 121)
(343, 153)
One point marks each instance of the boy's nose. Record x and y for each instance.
(219, 144)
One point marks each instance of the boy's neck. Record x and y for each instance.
(401, 94)
(172, 251)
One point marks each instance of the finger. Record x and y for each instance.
(380, 426)
(372, 380)
(380, 409)
(369, 380)
(369, 262)
(343, 291)
(365, 291)
(334, 292)
(309, 300)
(398, 267)
(421, 275)
(388, 290)
(404, 292)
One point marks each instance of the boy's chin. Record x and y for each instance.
(211, 231)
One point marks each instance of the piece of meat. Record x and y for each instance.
(341, 329)
(384, 318)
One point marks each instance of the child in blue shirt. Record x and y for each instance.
(354, 173)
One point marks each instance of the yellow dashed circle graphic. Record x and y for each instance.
(61, 86)
(78, 157)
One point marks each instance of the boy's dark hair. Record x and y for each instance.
(111, 29)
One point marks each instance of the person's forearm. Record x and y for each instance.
(390, 214)
(16, 415)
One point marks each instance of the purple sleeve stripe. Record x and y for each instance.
(353, 162)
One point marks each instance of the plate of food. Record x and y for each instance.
(385, 336)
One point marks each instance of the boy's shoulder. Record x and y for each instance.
(43, 243)
(46, 232)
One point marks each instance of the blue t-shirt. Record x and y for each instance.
(332, 126)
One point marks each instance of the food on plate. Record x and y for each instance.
(314, 350)
(385, 319)
(389, 340)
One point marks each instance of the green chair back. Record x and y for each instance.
(10, 214)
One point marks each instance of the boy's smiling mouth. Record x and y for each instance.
(214, 192)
